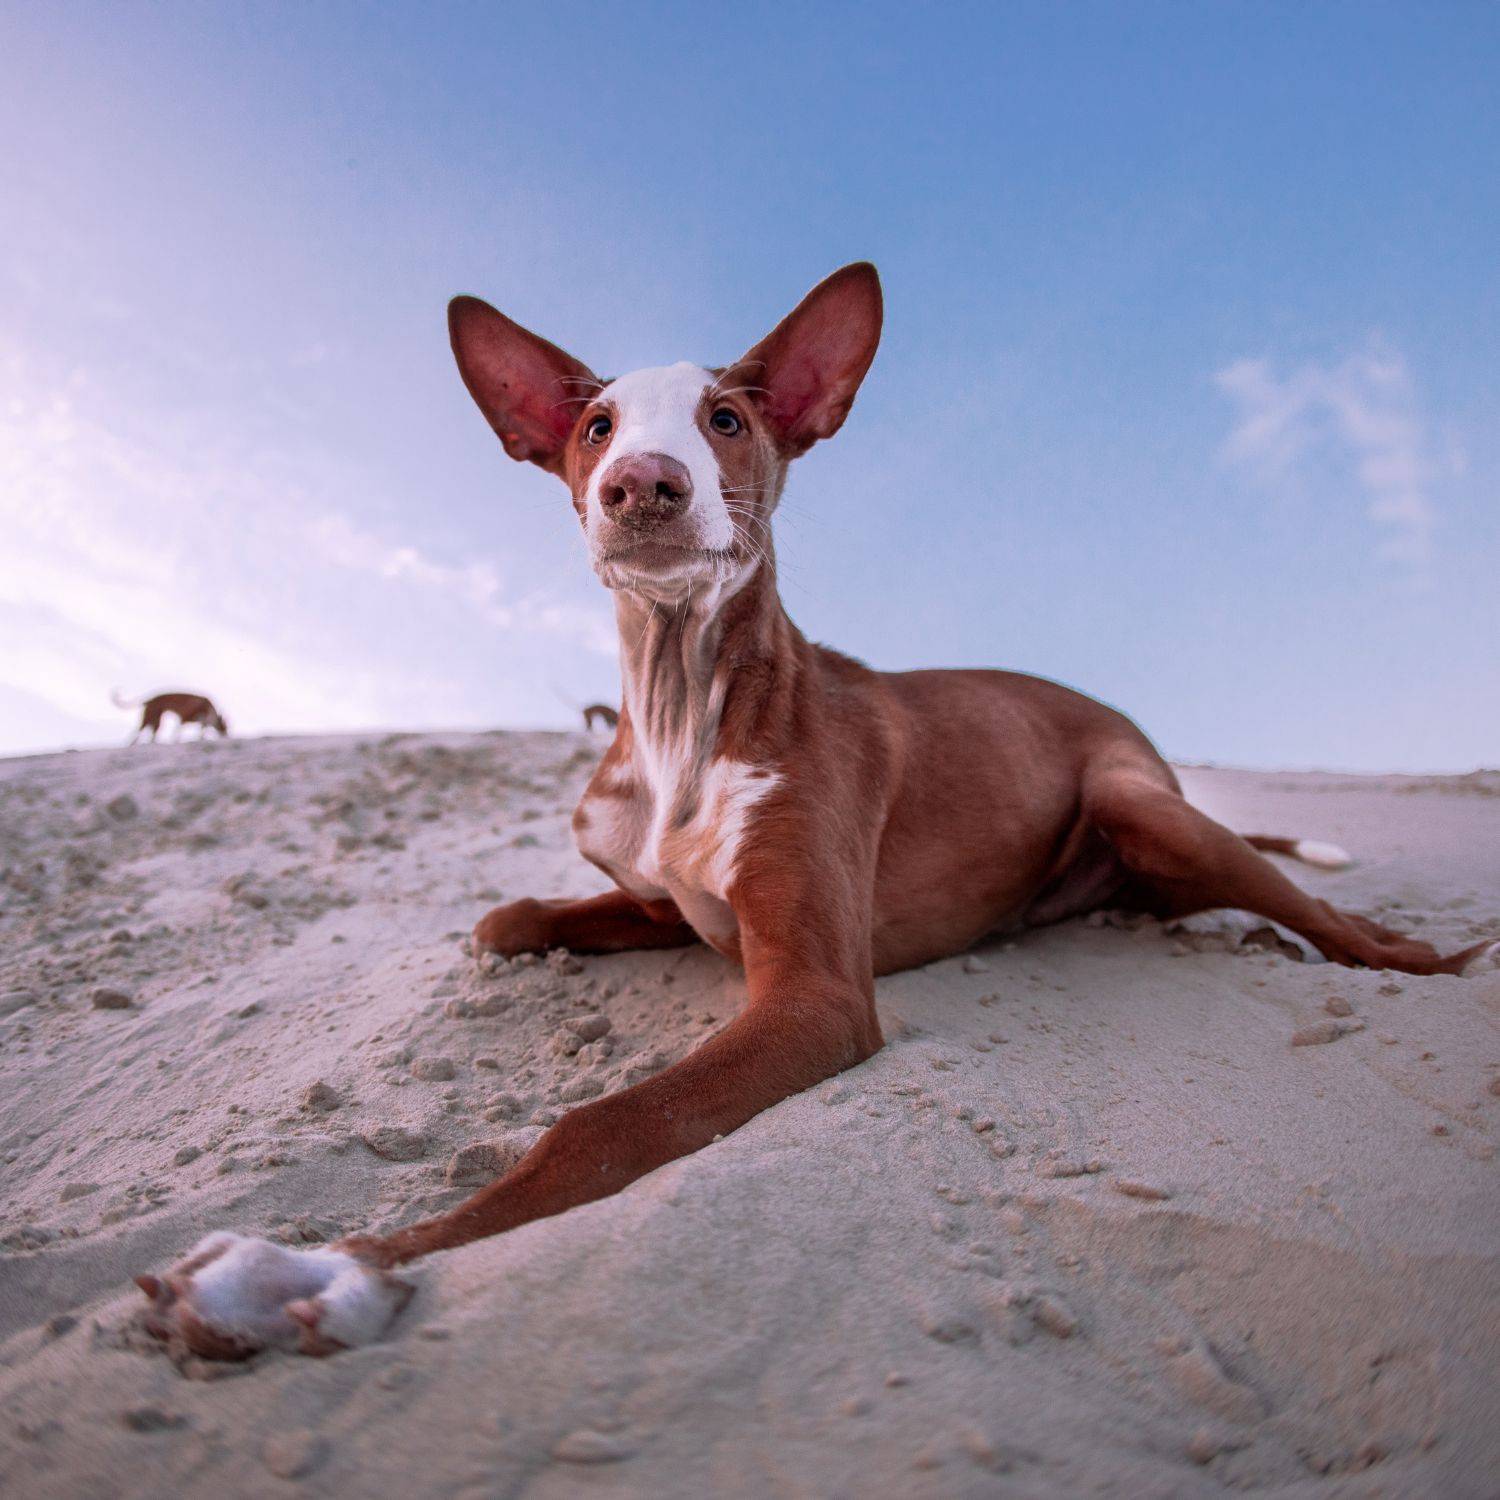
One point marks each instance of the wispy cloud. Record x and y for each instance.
(1362, 412)
(103, 579)
(344, 543)
(147, 555)
(478, 585)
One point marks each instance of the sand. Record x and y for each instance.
(1094, 1222)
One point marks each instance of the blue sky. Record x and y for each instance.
(1188, 396)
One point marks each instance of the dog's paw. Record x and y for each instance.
(517, 927)
(1486, 961)
(232, 1296)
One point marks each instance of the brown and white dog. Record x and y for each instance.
(815, 821)
(187, 708)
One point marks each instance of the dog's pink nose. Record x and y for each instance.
(644, 490)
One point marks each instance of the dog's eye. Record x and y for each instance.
(724, 421)
(598, 430)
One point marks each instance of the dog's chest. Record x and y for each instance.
(672, 827)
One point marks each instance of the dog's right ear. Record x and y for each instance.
(529, 390)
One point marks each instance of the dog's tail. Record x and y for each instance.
(119, 701)
(1309, 851)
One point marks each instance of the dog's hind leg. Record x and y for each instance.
(1182, 861)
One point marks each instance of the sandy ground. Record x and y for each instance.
(1090, 1224)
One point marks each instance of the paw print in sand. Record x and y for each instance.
(232, 1296)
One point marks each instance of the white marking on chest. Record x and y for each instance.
(731, 791)
(676, 836)
(656, 411)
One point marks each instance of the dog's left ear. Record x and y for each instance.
(810, 365)
(529, 390)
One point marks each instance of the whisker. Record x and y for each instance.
(758, 553)
(647, 625)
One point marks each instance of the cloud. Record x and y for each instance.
(477, 585)
(98, 578)
(1362, 412)
(143, 550)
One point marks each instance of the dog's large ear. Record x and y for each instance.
(530, 391)
(810, 365)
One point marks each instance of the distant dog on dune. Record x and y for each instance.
(189, 708)
(603, 712)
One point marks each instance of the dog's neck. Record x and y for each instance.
(680, 662)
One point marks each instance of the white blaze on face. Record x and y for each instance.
(656, 411)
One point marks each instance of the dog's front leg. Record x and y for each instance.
(810, 1014)
(614, 922)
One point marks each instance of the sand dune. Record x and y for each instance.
(1091, 1223)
